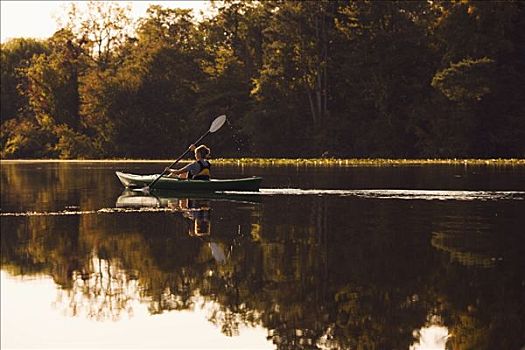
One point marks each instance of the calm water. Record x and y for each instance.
(331, 258)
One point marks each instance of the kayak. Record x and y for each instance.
(248, 184)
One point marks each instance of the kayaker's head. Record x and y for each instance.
(202, 152)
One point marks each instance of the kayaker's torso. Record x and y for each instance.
(199, 170)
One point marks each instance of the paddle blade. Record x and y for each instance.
(217, 123)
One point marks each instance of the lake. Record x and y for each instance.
(353, 257)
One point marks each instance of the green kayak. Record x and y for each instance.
(248, 184)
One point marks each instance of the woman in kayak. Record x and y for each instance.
(198, 170)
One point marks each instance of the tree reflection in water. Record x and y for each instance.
(319, 273)
(102, 291)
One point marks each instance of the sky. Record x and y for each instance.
(37, 19)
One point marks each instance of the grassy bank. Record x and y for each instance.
(302, 161)
(369, 162)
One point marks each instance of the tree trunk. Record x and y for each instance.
(312, 106)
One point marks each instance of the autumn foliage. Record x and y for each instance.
(398, 79)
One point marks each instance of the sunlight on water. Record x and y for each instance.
(31, 319)
(431, 338)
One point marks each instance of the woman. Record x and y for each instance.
(198, 170)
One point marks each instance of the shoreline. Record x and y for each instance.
(297, 161)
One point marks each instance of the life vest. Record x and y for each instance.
(204, 173)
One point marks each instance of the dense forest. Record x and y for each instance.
(344, 79)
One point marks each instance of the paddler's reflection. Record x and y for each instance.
(199, 212)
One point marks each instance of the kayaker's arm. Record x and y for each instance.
(181, 170)
(175, 172)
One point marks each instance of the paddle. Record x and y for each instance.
(215, 125)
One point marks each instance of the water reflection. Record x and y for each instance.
(431, 337)
(30, 320)
(103, 290)
(196, 209)
(318, 270)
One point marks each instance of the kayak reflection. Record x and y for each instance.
(166, 198)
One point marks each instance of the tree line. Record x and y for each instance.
(297, 79)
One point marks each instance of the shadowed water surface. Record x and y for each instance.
(321, 258)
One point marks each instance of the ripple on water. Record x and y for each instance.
(403, 194)
(441, 195)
